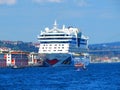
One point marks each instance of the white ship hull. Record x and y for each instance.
(57, 59)
(62, 59)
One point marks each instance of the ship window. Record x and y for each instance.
(55, 44)
(42, 47)
(50, 45)
(59, 50)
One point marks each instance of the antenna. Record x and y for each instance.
(55, 25)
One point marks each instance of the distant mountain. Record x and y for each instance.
(108, 49)
(19, 45)
(111, 45)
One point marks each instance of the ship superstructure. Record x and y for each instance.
(59, 46)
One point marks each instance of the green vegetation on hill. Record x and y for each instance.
(19, 45)
(108, 49)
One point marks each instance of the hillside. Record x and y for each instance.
(112, 48)
(19, 45)
(111, 45)
(109, 49)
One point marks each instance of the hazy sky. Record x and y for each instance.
(24, 19)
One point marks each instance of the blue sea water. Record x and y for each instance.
(96, 77)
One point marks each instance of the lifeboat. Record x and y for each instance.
(79, 65)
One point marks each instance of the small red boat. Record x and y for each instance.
(80, 65)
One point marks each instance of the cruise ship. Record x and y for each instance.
(65, 46)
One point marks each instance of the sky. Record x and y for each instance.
(23, 20)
